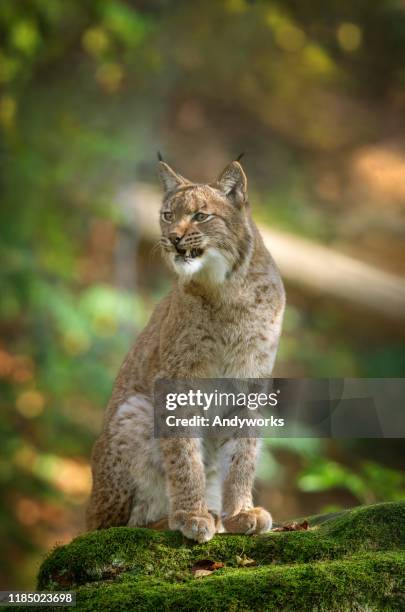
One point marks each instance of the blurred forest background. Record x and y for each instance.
(89, 90)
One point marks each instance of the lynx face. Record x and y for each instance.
(205, 228)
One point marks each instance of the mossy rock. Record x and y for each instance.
(353, 560)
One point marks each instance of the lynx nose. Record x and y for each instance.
(175, 239)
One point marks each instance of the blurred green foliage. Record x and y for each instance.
(88, 91)
(369, 483)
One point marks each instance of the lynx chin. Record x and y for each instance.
(222, 318)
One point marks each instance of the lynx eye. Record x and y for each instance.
(167, 217)
(201, 217)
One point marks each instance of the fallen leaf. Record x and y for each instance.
(293, 527)
(205, 567)
(245, 561)
(218, 565)
(201, 573)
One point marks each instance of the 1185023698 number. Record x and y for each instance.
(63, 598)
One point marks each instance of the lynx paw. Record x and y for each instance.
(254, 520)
(193, 526)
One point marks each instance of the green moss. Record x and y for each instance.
(352, 560)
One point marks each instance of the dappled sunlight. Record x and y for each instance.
(30, 403)
(378, 174)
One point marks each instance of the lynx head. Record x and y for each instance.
(206, 232)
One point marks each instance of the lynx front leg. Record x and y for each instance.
(185, 480)
(239, 458)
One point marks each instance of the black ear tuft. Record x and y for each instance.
(159, 156)
(240, 156)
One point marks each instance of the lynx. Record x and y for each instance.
(222, 318)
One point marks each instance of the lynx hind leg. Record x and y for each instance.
(133, 427)
(111, 496)
(128, 479)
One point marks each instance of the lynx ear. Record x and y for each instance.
(233, 182)
(169, 178)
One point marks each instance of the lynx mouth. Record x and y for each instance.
(186, 255)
